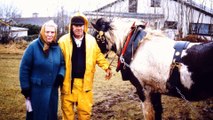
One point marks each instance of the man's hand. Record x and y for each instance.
(108, 74)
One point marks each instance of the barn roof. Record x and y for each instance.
(98, 12)
(125, 15)
(108, 5)
(17, 29)
(189, 3)
(33, 20)
(199, 7)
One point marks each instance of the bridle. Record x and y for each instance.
(102, 42)
(101, 39)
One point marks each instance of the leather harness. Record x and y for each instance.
(128, 51)
(174, 74)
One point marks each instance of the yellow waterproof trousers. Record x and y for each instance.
(79, 99)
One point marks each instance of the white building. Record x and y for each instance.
(8, 31)
(176, 17)
(18, 32)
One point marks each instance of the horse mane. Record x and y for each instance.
(151, 33)
(125, 27)
(118, 31)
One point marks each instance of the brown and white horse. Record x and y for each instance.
(152, 64)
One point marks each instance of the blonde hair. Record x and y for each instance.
(48, 23)
(42, 33)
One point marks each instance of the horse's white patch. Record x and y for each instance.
(152, 60)
(185, 76)
(184, 72)
(151, 64)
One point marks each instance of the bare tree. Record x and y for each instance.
(4, 31)
(8, 11)
(61, 20)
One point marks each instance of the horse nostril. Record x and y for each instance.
(103, 39)
(98, 37)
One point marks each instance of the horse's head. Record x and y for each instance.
(112, 35)
(102, 26)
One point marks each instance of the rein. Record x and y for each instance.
(125, 46)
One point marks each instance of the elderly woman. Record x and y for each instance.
(41, 73)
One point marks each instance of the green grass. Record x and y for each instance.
(113, 100)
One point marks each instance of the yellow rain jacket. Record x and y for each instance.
(93, 57)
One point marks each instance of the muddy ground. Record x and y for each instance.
(116, 99)
(127, 106)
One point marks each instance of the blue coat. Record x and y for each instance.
(38, 72)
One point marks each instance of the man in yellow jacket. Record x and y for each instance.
(81, 54)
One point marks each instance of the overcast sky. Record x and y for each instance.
(50, 7)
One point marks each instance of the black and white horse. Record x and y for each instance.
(157, 65)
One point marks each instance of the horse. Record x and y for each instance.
(157, 65)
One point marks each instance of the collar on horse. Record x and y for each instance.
(179, 47)
(135, 35)
(125, 45)
(174, 75)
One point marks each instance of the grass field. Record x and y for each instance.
(12, 103)
(113, 100)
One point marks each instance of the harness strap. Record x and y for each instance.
(179, 47)
(126, 44)
(174, 75)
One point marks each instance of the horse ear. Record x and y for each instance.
(94, 26)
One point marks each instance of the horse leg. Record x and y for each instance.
(156, 102)
(139, 89)
(155, 98)
(152, 108)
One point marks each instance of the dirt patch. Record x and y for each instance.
(127, 106)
